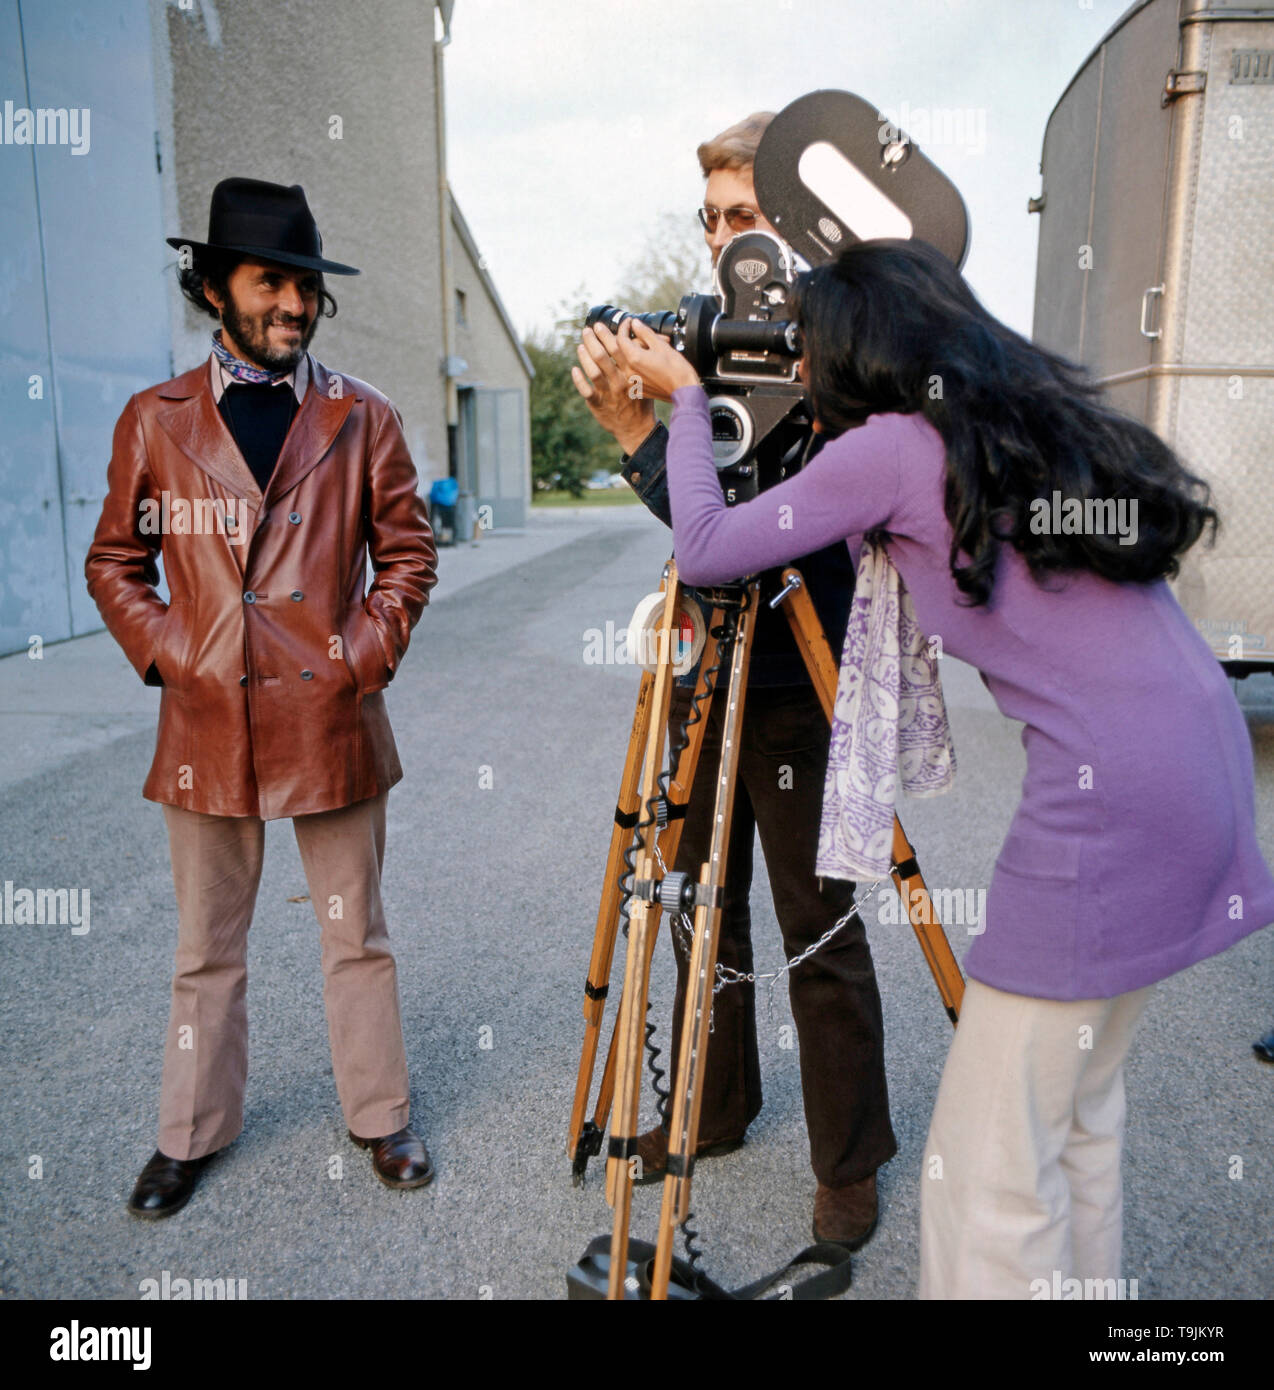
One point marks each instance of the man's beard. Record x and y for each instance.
(251, 337)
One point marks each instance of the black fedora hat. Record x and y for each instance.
(268, 221)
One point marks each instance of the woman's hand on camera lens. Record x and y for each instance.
(649, 358)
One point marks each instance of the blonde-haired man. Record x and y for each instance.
(835, 1000)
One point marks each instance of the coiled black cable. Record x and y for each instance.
(693, 1254)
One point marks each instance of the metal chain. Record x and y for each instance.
(725, 975)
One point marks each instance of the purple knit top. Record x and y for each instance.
(1133, 850)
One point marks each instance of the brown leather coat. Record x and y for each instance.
(270, 656)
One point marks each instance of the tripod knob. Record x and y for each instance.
(677, 893)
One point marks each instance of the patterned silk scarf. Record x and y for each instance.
(245, 371)
(889, 722)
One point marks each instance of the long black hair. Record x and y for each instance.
(892, 326)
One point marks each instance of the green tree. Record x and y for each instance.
(567, 445)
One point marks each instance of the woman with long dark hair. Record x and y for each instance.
(1034, 528)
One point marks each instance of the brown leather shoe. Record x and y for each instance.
(652, 1150)
(166, 1185)
(399, 1160)
(846, 1215)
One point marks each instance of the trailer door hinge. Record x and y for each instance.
(1181, 84)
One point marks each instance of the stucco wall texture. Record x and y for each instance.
(265, 82)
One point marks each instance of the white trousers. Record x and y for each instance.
(1021, 1177)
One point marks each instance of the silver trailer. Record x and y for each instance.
(1156, 272)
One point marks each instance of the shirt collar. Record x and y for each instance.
(298, 379)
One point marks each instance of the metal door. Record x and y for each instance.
(1105, 163)
(34, 599)
(98, 243)
(501, 462)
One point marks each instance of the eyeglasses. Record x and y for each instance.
(737, 219)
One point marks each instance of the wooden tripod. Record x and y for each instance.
(648, 820)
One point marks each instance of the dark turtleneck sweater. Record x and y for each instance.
(259, 418)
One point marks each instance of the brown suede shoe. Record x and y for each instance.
(652, 1150)
(399, 1160)
(846, 1215)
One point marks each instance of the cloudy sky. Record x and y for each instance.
(572, 124)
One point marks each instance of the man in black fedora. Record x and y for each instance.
(272, 654)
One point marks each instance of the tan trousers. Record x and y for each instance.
(216, 869)
(1022, 1165)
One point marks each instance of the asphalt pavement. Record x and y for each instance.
(512, 744)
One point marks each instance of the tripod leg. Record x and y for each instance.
(632, 1014)
(632, 1008)
(688, 1096)
(933, 940)
(627, 814)
(597, 982)
(811, 640)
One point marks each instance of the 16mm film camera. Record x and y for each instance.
(741, 342)
(829, 171)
